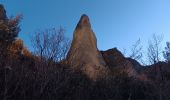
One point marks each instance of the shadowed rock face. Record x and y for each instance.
(115, 60)
(83, 54)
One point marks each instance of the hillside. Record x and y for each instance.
(85, 74)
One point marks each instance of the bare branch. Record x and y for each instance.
(136, 50)
(154, 49)
(51, 44)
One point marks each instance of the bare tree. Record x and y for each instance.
(51, 44)
(154, 56)
(154, 49)
(166, 53)
(136, 50)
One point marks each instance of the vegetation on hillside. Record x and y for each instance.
(43, 75)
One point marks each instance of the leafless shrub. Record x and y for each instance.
(51, 44)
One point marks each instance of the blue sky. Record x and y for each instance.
(117, 23)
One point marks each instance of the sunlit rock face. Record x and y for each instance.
(83, 54)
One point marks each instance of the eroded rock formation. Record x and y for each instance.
(84, 54)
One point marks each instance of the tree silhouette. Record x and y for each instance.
(166, 53)
(154, 49)
(51, 44)
(9, 29)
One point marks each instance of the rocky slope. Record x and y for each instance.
(84, 56)
(116, 61)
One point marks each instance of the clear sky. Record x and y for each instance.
(117, 23)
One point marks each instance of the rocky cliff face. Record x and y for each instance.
(116, 61)
(84, 54)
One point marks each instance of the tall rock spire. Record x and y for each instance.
(83, 22)
(83, 54)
